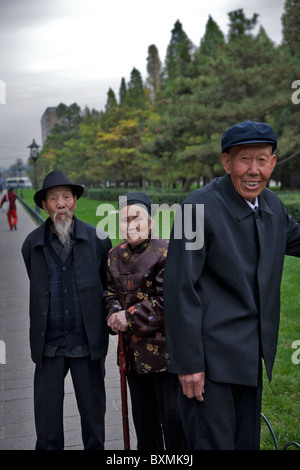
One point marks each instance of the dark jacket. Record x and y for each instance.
(222, 302)
(135, 284)
(90, 263)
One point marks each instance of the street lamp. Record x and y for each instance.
(20, 184)
(34, 156)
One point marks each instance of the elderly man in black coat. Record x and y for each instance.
(222, 299)
(66, 263)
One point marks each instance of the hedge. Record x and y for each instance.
(291, 199)
(157, 196)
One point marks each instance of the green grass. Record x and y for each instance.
(280, 402)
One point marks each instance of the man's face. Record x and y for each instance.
(60, 204)
(250, 167)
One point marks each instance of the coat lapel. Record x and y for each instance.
(238, 205)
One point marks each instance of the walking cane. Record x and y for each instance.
(123, 370)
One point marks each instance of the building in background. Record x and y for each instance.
(48, 121)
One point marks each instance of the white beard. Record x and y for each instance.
(62, 227)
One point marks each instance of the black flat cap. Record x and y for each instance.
(137, 198)
(248, 132)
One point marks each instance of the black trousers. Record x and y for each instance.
(227, 419)
(155, 411)
(88, 381)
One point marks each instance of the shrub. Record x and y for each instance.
(157, 196)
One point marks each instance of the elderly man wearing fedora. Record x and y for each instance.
(222, 301)
(66, 263)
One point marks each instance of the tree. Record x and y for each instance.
(239, 24)
(135, 96)
(111, 102)
(70, 116)
(291, 27)
(179, 55)
(154, 72)
(122, 92)
(212, 40)
(123, 161)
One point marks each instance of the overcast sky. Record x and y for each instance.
(75, 50)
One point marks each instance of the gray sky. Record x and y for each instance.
(75, 50)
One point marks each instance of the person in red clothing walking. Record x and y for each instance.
(12, 212)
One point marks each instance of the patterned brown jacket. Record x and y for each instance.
(135, 284)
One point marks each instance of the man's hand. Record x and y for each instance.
(193, 385)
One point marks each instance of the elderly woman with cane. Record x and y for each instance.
(134, 301)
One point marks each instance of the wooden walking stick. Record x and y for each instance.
(123, 370)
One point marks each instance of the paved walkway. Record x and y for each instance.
(17, 431)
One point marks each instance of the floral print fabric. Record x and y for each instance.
(135, 284)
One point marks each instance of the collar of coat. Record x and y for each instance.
(238, 205)
(80, 231)
(141, 247)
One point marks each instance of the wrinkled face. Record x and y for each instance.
(250, 167)
(60, 203)
(135, 225)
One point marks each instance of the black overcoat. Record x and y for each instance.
(222, 302)
(90, 264)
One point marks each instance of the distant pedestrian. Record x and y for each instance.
(12, 212)
(66, 264)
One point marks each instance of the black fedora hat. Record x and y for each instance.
(56, 178)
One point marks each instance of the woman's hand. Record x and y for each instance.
(117, 321)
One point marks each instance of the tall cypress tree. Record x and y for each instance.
(154, 72)
(111, 102)
(212, 39)
(179, 54)
(135, 93)
(122, 92)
